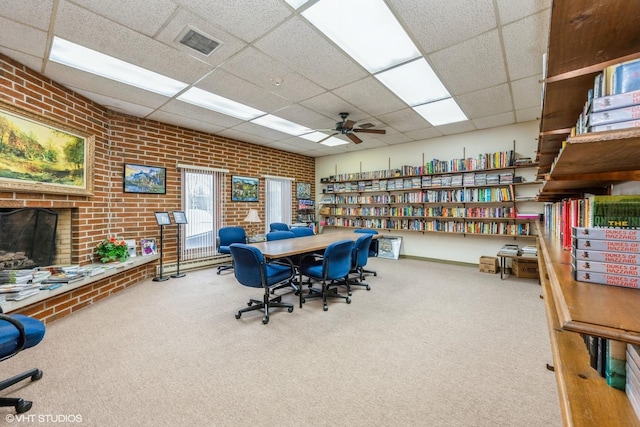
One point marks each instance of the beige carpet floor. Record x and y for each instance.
(430, 345)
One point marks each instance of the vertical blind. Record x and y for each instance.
(278, 200)
(203, 203)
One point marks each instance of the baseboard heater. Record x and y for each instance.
(192, 264)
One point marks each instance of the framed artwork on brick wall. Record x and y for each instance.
(144, 179)
(244, 189)
(41, 155)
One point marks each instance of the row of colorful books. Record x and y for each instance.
(632, 371)
(608, 256)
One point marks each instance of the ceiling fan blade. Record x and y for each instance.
(378, 131)
(329, 136)
(349, 124)
(354, 138)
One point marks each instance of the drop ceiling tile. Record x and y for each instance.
(244, 137)
(253, 65)
(524, 40)
(460, 127)
(22, 38)
(486, 102)
(123, 43)
(513, 10)
(304, 116)
(527, 92)
(438, 24)
(495, 121)
(181, 108)
(30, 61)
(264, 132)
(229, 86)
(331, 106)
(34, 13)
(185, 122)
(471, 65)
(405, 120)
(183, 19)
(419, 135)
(298, 45)
(528, 114)
(117, 105)
(247, 20)
(371, 96)
(146, 20)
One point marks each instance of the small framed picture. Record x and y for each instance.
(244, 189)
(144, 179)
(179, 217)
(148, 247)
(163, 218)
(131, 248)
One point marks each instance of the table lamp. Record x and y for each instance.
(252, 217)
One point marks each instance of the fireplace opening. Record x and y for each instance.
(27, 238)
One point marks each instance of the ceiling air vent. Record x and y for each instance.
(198, 41)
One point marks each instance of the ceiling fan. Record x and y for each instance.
(345, 127)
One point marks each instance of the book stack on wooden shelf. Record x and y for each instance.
(609, 244)
(632, 385)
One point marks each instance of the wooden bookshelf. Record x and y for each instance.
(585, 37)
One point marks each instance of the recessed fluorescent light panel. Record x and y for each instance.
(282, 125)
(73, 55)
(333, 141)
(220, 104)
(367, 31)
(415, 82)
(314, 136)
(441, 112)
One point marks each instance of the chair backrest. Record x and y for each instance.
(302, 231)
(373, 246)
(229, 235)
(278, 226)
(18, 332)
(248, 264)
(360, 253)
(336, 263)
(279, 235)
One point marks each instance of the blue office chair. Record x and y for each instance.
(302, 231)
(359, 257)
(252, 270)
(332, 269)
(226, 237)
(278, 226)
(280, 235)
(373, 248)
(17, 333)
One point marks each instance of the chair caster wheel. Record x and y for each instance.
(265, 320)
(348, 300)
(349, 293)
(36, 376)
(375, 274)
(368, 288)
(290, 309)
(303, 300)
(325, 307)
(23, 406)
(238, 315)
(249, 303)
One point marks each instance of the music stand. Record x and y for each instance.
(163, 219)
(179, 218)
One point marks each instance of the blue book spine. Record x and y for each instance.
(627, 77)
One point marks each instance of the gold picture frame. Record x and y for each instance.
(41, 155)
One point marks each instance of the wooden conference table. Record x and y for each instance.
(302, 245)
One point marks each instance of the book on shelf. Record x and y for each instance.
(607, 279)
(626, 77)
(616, 126)
(607, 267)
(18, 296)
(623, 114)
(607, 245)
(627, 235)
(615, 370)
(613, 102)
(605, 256)
(63, 278)
(622, 211)
(509, 249)
(632, 385)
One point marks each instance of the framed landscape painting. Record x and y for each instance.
(244, 189)
(144, 179)
(40, 155)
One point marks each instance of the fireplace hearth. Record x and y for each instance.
(27, 238)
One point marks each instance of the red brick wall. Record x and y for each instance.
(125, 139)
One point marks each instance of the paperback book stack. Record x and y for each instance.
(16, 285)
(608, 256)
(529, 251)
(632, 386)
(509, 250)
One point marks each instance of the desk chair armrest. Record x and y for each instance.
(22, 339)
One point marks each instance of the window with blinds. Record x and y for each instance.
(203, 202)
(278, 200)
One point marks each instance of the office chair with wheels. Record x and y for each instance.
(252, 270)
(278, 226)
(280, 235)
(373, 248)
(227, 236)
(17, 333)
(359, 257)
(332, 269)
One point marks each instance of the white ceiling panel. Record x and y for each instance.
(438, 24)
(487, 53)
